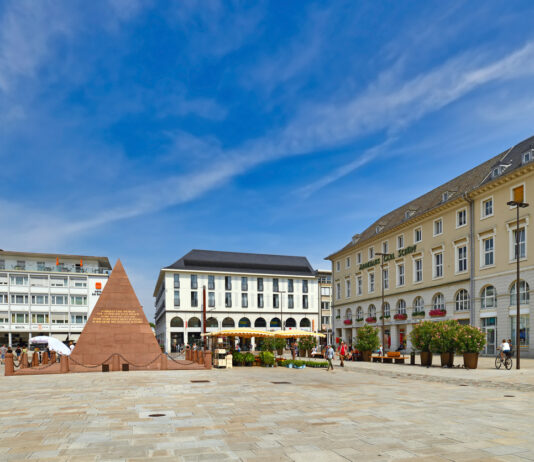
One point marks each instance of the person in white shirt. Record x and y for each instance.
(505, 349)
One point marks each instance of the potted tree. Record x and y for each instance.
(421, 337)
(249, 359)
(471, 340)
(306, 344)
(367, 341)
(445, 341)
(279, 345)
(267, 358)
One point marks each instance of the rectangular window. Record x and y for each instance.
(385, 247)
(348, 262)
(400, 242)
(59, 318)
(211, 282)
(518, 194)
(176, 298)
(305, 302)
(488, 251)
(347, 288)
(19, 299)
(487, 208)
(524, 330)
(290, 285)
(461, 218)
(305, 286)
(18, 280)
(325, 319)
(78, 299)
(3, 298)
(418, 269)
(2, 264)
(325, 305)
(400, 274)
(462, 258)
(176, 281)
(290, 301)
(338, 290)
(19, 318)
(194, 282)
(260, 284)
(41, 266)
(244, 283)
(338, 266)
(418, 235)
(275, 285)
(522, 244)
(438, 227)
(359, 258)
(244, 300)
(371, 253)
(39, 281)
(59, 299)
(58, 282)
(326, 291)
(438, 265)
(211, 299)
(228, 300)
(21, 265)
(194, 299)
(39, 299)
(276, 301)
(260, 300)
(371, 282)
(40, 318)
(78, 282)
(78, 319)
(385, 275)
(359, 285)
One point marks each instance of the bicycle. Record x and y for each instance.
(507, 361)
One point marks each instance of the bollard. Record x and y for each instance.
(200, 357)
(10, 364)
(163, 362)
(207, 359)
(53, 357)
(23, 360)
(64, 364)
(45, 357)
(35, 358)
(116, 363)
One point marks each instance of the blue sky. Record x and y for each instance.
(141, 129)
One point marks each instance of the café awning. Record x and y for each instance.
(294, 333)
(239, 332)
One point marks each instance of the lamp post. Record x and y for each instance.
(382, 255)
(517, 203)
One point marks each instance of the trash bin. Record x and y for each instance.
(412, 358)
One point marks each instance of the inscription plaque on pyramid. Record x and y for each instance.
(117, 325)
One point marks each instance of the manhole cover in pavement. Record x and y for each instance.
(281, 383)
(156, 415)
(464, 385)
(509, 396)
(200, 381)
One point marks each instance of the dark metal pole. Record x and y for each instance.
(383, 305)
(517, 288)
(204, 315)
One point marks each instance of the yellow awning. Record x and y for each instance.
(240, 332)
(296, 333)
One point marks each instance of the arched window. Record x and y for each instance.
(212, 322)
(290, 322)
(387, 310)
(275, 322)
(359, 313)
(177, 322)
(372, 311)
(305, 322)
(462, 300)
(260, 322)
(348, 314)
(401, 306)
(228, 322)
(438, 302)
(244, 322)
(524, 295)
(418, 305)
(193, 322)
(488, 298)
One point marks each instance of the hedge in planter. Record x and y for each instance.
(367, 340)
(421, 336)
(307, 343)
(445, 340)
(471, 340)
(267, 358)
(249, 359)
(238, 359)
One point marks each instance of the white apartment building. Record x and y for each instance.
(242, 290)
(48, 294)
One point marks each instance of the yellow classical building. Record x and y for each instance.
(449, 254)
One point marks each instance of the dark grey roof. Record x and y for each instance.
(510, 160)
(237, 262)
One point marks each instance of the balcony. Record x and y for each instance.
(60, 269)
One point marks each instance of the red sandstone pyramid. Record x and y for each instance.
(117, 325)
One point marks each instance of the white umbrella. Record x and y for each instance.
(53, 344)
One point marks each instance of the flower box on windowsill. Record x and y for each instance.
(400, 317)
(370, 319)
(359, 319)
(418, 314)
(437, 313)
(385, 317)
(347, 322)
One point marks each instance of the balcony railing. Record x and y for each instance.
(60, 269)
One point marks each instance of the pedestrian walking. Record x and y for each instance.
(342, 353)
(3, 351)
(293, 351)
(329, 357)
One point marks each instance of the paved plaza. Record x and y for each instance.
(370, 412)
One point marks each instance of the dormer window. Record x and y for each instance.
(528, 156)
(409, 214)
(379, 228)
(445, 196)
(496, 172)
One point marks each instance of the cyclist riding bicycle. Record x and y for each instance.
(505, 349)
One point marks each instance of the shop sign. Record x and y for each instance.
(388, 257)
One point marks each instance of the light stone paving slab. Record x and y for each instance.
(362, 412)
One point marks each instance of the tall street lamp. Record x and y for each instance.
(382, 256)
(517, 203)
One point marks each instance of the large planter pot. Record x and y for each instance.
(470, 360)
(447, 359)
(426, 358)
(366, 355)
(280, 351)
(302, 353)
